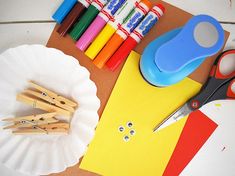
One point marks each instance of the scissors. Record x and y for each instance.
(220, 85)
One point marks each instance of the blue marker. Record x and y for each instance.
(63, 10)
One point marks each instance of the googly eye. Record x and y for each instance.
(129, 124)
(126, 138)
(132, 132)
(121, 129)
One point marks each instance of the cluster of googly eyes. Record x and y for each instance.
(130, 131)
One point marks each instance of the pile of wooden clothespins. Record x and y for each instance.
(46, 123)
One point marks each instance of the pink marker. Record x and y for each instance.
(97, 25)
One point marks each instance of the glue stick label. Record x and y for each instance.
(146, 24)
(132, 20)
(110, 9)
(86, 3)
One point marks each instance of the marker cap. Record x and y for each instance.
(71, 19)
(140, 31)
(63, 10)
(87, 19)
(110, 48)
(89, 35)
(160, 6)
(98, 24)
(100, 41)
(147, 3)
(121, 54)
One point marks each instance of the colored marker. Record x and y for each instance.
(136, 36)
(63, 10)
(98, 24)
(73, 15)
(110, 28)
(132, 20)
(87, 18)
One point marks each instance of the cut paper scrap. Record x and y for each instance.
(198, 128)
(217, 156)
(134, 100)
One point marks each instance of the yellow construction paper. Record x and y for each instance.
(134, 100)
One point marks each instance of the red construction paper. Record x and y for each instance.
(197, 130)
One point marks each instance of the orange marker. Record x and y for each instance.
(131, 21)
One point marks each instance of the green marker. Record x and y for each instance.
(87, 18)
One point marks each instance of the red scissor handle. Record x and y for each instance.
(220, 84)
(225, 67)
(231, 90)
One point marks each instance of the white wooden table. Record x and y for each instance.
(30, 22)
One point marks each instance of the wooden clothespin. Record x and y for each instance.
(36, 103)
(54, 128)
(29, 121)
(42, 98)
(47, 100)
(52, 97)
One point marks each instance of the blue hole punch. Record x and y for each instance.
(152, 73)
(176, 54)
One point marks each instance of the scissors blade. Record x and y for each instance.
(174, 117)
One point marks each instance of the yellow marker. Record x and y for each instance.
(100, 41)
(110, 28)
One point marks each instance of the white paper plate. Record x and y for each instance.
(9, 172)
(42, 154)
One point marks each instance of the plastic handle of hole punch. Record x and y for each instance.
(185, 48)
(151, 72)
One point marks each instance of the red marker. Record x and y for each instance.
(136, 36)
(131, 22)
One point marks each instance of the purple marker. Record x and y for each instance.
(98, 24)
